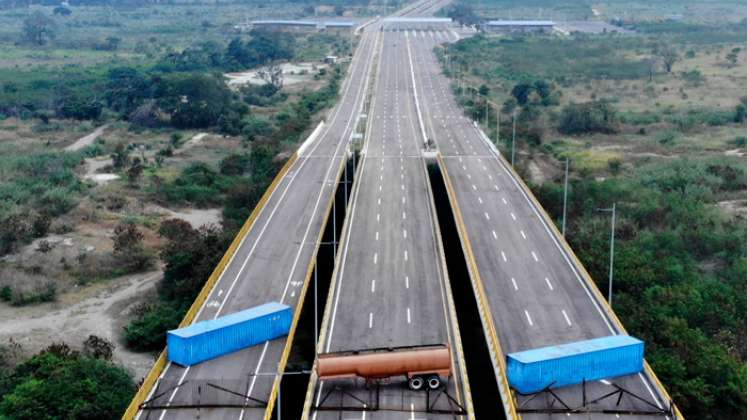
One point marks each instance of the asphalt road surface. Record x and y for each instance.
(270, 265)
(536, 295)
(390, 286)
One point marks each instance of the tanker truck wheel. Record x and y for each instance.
(416, 383)
(434, 382)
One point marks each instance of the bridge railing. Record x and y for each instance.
(150, 380)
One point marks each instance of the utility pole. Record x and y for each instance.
(613, 209)
(497, 125)
(565, 195)
(513, 138)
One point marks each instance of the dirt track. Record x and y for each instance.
(99, 309)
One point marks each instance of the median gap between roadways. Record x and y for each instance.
(485, 395)
(293, 387)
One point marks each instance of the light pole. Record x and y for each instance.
(513, 137)
(612, 249)
(497, 125)
(565, 195)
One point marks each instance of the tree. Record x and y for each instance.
(38, 28)
(98, 348)
(62, 11)
(272, 75)
(463, 13)
(126, 89)
(120, 157)
(77, 105)
(521, 92)
(234, 164)
(193, 100)
(733, 56)
(669, 57)
(135, 170)
(586, 118)
(652, 63)
(129, 251)
(59, 383)
(740, 112)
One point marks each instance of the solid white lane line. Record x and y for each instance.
(567, 320)
(495, 236)
(523, 235)
(513, 281)
(408, 315)
(370, 320)
(503, 254)
(529, 318)
(548, 283)
(535, 257)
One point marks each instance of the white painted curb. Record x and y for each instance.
(314, 134)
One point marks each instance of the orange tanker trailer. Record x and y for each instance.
(421, 365)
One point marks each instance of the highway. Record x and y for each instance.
(536, 293)
(390, 287)
(271, 264)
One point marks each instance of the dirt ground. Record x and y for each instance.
(100, 309)
(293, 73)
(87, 140)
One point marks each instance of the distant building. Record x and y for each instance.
(519, 26)
(416, 23)
(330, 59)
(299, 25)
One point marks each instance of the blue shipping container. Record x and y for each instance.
(569, 364)
(207, 340)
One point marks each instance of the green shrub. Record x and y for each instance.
(148, 330)
(589, 117)
(59, 383)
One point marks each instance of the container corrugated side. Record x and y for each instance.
(597, 363)
(216, 339)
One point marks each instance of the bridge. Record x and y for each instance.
(391, 285)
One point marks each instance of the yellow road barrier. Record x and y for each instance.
(585, 275)
(189, 317)
(483, 306)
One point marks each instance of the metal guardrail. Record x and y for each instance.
(155, 372)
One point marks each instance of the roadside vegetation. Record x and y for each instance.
(654, 122)
(125, 130)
